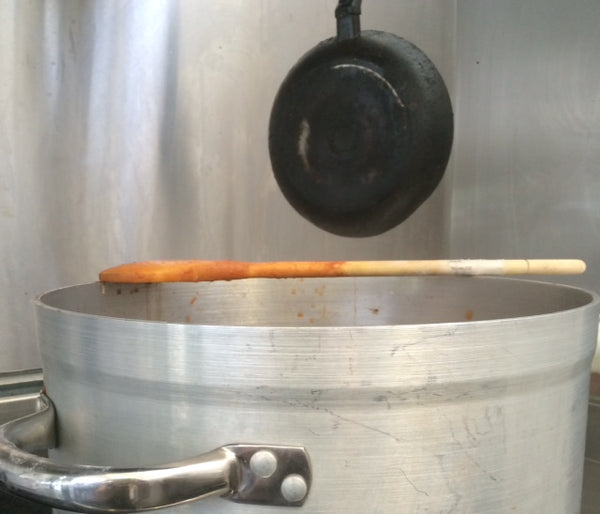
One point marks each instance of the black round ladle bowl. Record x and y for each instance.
(361, 130)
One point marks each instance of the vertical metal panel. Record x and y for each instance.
(138, 130)
(527, 150)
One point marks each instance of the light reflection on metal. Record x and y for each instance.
(225, 471)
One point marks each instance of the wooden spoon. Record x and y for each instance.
(199, 270)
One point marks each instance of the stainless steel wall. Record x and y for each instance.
(526, 180)
(138, 130)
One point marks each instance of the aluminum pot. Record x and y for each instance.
(424, 394)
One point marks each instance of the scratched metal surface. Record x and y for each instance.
(441, 394)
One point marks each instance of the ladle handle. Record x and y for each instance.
(268, 475)
(199, 270)
(347, 14)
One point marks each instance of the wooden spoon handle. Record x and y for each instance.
(198, 270)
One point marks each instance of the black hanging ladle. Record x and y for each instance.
(361, 130)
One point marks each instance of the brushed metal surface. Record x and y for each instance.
(16, 406)
(139, 131)
(18, 393)
(526, 153)
(438, 394)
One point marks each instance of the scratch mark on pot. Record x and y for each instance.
(378, 431)
(481, 468)
(383, 398)
(465, 449)
(457, 497)
(428, 337)
(404, 346)
(339, 418)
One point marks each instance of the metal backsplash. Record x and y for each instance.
(526, 180)
(138, 130)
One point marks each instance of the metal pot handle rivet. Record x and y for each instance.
(294, 488)
(243, 473)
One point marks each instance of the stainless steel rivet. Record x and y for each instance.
(263, 463)
(294, 488)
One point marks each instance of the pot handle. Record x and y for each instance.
(243, 473)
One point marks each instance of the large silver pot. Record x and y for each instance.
(422, 394)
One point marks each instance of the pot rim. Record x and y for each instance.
(592, 303)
